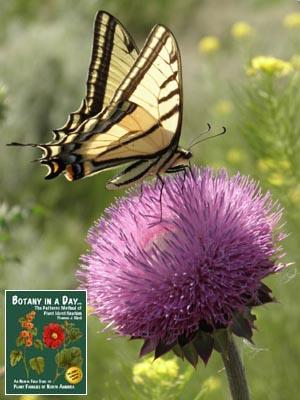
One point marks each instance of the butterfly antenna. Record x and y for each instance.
(21, 144)
(200, 139)
(201, 134)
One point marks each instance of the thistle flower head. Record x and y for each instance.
(175, 281)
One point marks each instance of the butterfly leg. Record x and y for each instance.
(185, 168)
(141, 194)
(160, 179)
(179, 168)
(184, 176)
(189, 167)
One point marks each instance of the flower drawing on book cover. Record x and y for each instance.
(56, 337)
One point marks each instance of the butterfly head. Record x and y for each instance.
(179, 160)
(183, 156)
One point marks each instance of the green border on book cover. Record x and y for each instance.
(45, 342)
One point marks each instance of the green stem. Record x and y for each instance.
(25, 363)
(57, 374)
(235, 370)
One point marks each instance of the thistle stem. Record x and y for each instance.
(235, 370)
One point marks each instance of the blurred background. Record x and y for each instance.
(44, 56)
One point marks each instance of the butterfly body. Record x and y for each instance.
(132, 111)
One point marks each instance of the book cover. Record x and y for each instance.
(45, 338)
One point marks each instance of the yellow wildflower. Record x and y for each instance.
(284, 165)
(241, 30)
(295, 61)
(277, 179)
(271, 66)
(160, 371)
(268, 164)
(211, 384)
(294, 195)
(292, 21)
(265, 164)
(234, 156)
(29, 397)
(208, 45)
(278, 171)
(223, 107)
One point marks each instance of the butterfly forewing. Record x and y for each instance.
(113, 54)
(154, 82)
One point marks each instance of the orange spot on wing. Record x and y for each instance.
(55, 167)
(69, 173)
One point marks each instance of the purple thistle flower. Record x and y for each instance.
(174, 282)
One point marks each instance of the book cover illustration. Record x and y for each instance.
(45, 342)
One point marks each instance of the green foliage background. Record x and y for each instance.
(44, 56)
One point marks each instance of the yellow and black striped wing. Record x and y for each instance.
(144, 117)
(113, 54)
(155, 80)
(132, 110)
